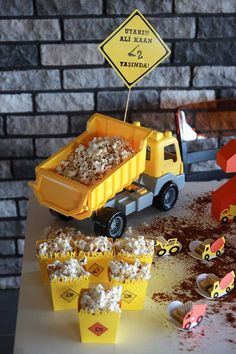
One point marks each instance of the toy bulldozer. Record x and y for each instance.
(164, 246)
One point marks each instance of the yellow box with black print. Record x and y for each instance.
(65, 294)
(100, 327)
(48, 258)
(131, 258)
(97, 265)
(133, 293)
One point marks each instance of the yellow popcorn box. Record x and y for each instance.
(65, 294)
(100, 327)
(48, 258)
(131, 258)
(97, 265)
(133, 293)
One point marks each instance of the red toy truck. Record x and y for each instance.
(187, 315)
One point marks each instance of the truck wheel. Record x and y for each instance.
(110, 222)
(224, 220)
(218, 253)
(199, 319)
(161, 252)
(174, 250)
(206, 257)
(187, 326)
(167, 197)
(228, 290)
(60, 216)
(216, 295)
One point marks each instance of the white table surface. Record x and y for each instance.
(40, 330)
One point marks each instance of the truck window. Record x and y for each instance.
(148, 153)
(170, 152)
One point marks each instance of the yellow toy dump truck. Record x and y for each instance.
(156, 167)
(163, 246)
(228, 214)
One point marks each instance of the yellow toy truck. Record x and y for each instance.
(156, 167)
(213, 287)
(163, 246)
(207, 249)
(228, 214)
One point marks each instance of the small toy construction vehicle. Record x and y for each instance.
(212, 287)
(186, 316)
(207, 249)
(168, 247)
(228, 214)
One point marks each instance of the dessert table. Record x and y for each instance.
(40, 330)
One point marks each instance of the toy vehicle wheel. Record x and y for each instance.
(60, 216)
(110, 222)
(216, 295)
(206, 257)
(224, 220)
(187, 326)
(174, 250)
(218, 253)
(228, 289)
(234, 218)
(161, 252)
(167, 197)
(199, 319)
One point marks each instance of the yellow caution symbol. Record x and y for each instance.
(128, 297)
(134, 49)
(69, 295)
(96, 269)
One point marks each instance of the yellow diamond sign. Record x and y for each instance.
(134, 49)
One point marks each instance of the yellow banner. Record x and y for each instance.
(134, 49)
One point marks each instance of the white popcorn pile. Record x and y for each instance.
(60, 244)
(121, 271)
(88, 165)
(70, 232)
(138, 246)
(69, 269)
(99, 299)
(94, 244)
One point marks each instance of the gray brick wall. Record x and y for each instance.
(52, 78)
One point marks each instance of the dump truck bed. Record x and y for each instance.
(72, 198)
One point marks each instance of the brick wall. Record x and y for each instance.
(52, 78)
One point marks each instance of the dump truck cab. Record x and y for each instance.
(163, 155)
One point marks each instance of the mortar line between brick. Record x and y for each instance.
(121, 16)
(104, 7)
(34, 7)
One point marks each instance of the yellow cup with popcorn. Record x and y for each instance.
(55, 245)
(129, 249)
(49, 256)
(134, 281)
(67, 278)
(99, 314)
(99, 252)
